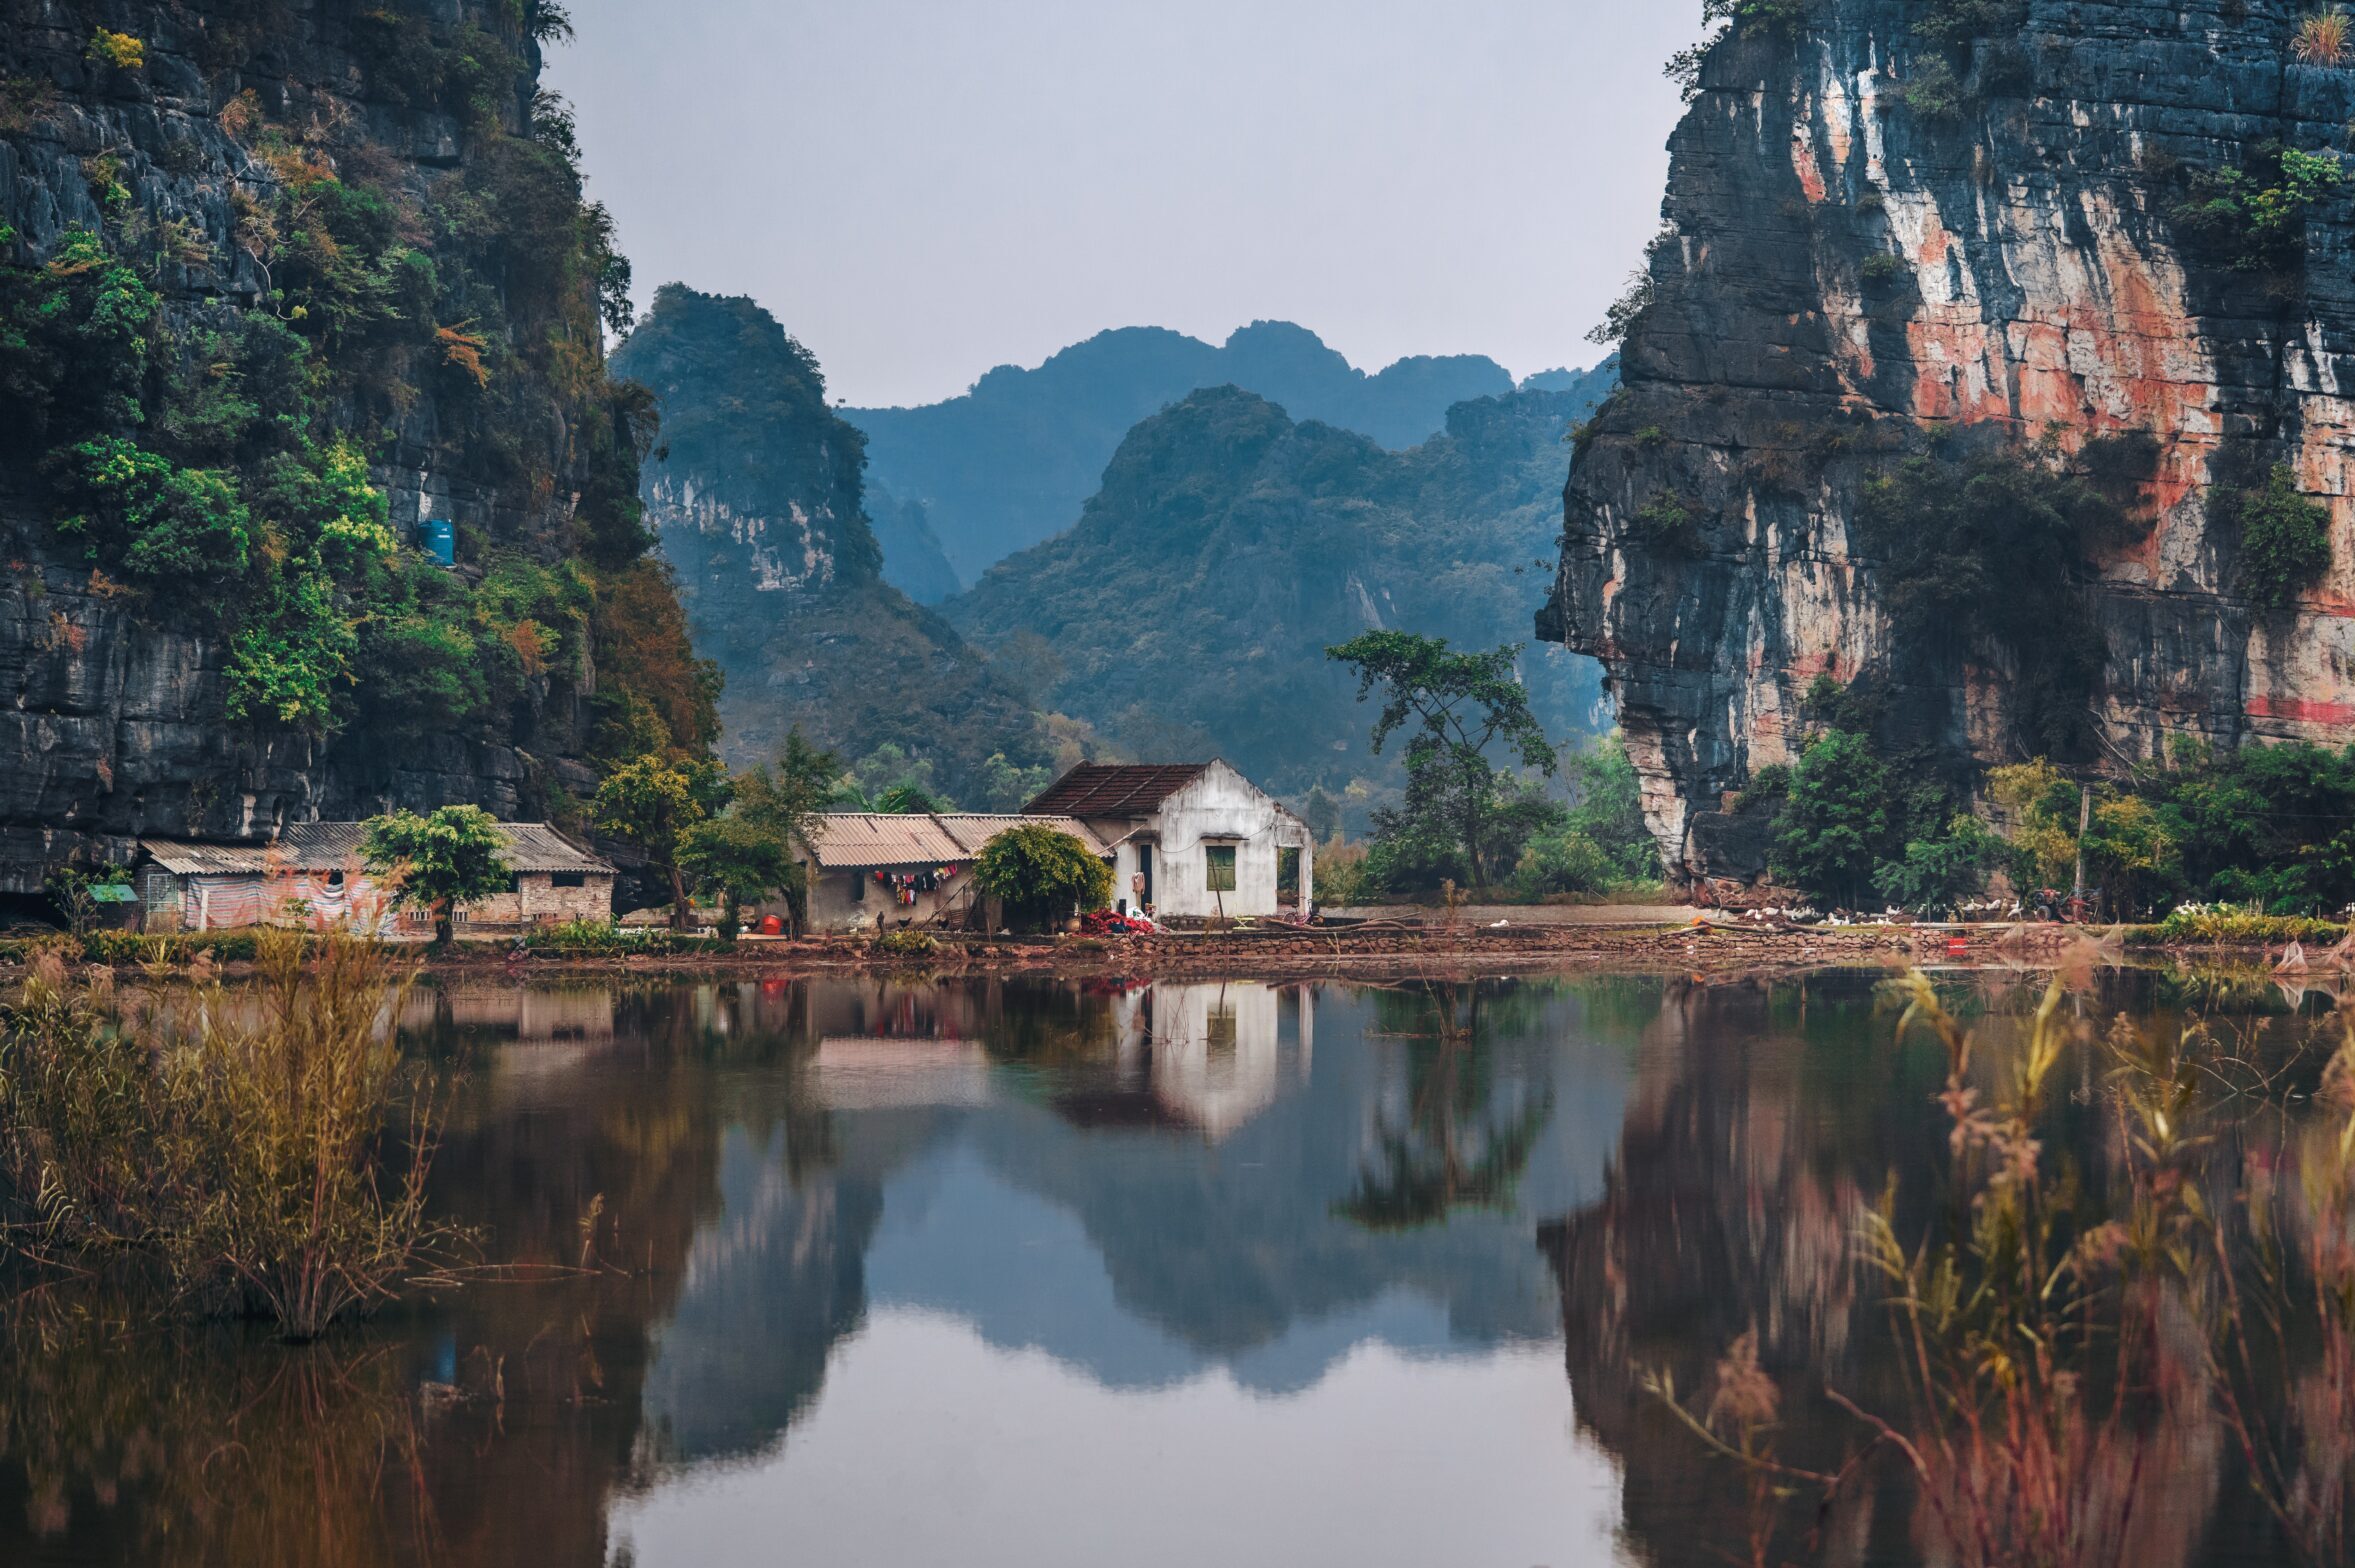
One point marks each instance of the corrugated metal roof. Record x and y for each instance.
(328, 846)
(867, 838)
(973, 829)
(1095, 789)
(845, 839)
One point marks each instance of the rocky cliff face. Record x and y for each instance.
(1892, 220)
(241, 242)
(757, 495)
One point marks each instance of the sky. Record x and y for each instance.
(923, 189)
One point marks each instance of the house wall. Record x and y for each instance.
(832, 906)
(1221, 806)
(537, 901)
(217, 903)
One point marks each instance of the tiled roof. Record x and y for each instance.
(329, 846)
(846, 839)
(1095, 789)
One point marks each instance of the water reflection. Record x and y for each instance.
(1049, 1273)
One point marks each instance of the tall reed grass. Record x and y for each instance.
(263, 1151)
(2081, 1355)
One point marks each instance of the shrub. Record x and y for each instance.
(1042, 875)
(1881, 269)
(272, 1162)
(2284, 540)
(1834, 819)
(1667, 522)
(1998, 547)
(1564, 861)
(1936, 874)
(2223, 925)
(904, 944)
(120, 50)
(1341, 878)
(2253, 219)
(1934, 90)
(2325, 37)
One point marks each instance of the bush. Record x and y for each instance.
(606, 939)
(1042, 875)
(1834, 819)
(1564, 861)
(1341, 879)
(2222, 925)
(2284, 540)
(904, 944)
(270, 1160)
(1997, 548)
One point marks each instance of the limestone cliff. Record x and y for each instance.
(1889, 220)
(757, 495)
(282, 279)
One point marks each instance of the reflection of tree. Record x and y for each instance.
(1460, 1145)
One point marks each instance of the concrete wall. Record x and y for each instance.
(537, 901)
(835, 904)
(316, 900)
(1220, 807)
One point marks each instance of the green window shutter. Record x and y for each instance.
(1218, 862)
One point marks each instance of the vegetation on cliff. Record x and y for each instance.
(185, 438)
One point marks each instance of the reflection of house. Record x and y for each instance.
(311, 874)
(1214, 1056)
(875, 1074)
(1190, 840)
(907, 869)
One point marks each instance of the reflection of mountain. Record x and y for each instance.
(1149, 1192)
(1766, 1122)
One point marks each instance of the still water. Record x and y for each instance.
(1039, 1274)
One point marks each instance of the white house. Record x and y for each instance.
(1191, 840)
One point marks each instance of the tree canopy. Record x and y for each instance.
(1458, 708)
(450, 856)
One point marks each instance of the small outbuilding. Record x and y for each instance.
(1190, 841)
(312, 875)
(880, 870)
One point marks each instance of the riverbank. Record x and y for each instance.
(1378, 948)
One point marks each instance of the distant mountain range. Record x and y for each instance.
(1188, 611)
(955, 487)
(756, 495)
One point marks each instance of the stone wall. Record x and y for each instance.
(2037, 285)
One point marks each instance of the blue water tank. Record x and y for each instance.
(438, 538)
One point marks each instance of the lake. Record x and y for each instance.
(1030, 1273)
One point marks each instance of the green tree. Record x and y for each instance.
(2284, 540)
(746, 853)
(1607, 808)
(1460, 706)
(1041, 874)
(740, 859)
(449, 856)
(1935, 874)
(651, 802)
(1834, 824)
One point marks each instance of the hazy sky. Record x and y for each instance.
(922, 189)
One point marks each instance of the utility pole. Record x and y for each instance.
(2084, 826)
